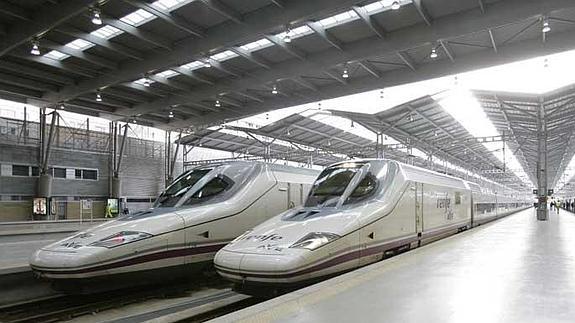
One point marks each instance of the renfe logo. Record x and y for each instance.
(263, 237)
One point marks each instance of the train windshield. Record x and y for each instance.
(332, 183)
(179, 187)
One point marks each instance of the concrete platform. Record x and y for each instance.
(18, 240)
(513, 270)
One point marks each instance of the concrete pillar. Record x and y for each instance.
(45, 185)
(542, 212)
(116, 187)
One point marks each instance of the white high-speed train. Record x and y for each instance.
(357, 213)
(205, 208)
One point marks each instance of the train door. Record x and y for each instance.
(418, 208)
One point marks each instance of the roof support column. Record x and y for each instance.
(379, 146)
(542, 212)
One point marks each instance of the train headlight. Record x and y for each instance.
(315, 240)
(121, 238)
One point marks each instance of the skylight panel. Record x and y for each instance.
(167, 73)
(54, 54)
(224, 55)
(257, 45)
(382, 5)
(169, 4)
(79, 44)
(138, 17)
(338, 19)
(375, 6)
(193, 65)
(143, 81)
(106, 32)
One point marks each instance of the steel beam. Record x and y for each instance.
(144, 35)
(369, 21)
(168, 17)
(91, 58)
(113, 46)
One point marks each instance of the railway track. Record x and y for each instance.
(182, 303)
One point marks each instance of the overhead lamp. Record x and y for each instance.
(275, 90)
(410, 118)
(147, 82)
(96, 19)
(345, 74)
(134, 121)
(35, 48)
(207, 63)
(546, 27)
(98, 97)
(395, 5)
(288, 133)
(433, 53)
(62, 106)
(217, 104)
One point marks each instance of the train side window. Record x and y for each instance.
(363, 189)
(212, 188)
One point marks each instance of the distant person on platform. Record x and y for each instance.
(551, 205)
(108, 213)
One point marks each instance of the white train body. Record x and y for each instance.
(199, 213)
(358, 213)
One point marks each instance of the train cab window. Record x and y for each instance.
(330, 185)
(179, 187)
(363, 189)
(212, 188)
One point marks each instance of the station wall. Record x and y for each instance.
(78, 174)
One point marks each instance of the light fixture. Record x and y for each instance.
(395, 5)
(217, 104)
(207, 63)
(96, 19)
(147, 82)
(546, 27)
(35, 48)
(171, 114)
(287, 37)
(267, 116)
(98, 96)
(433, 53)
(275, 90)
(329, 142)
(345, 74)
(62, 106)
(288, 133)
(134, 121)
(410, 118)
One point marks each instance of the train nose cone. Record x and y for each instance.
(63, 260)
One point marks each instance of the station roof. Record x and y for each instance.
(207, 61)
(520, 115)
